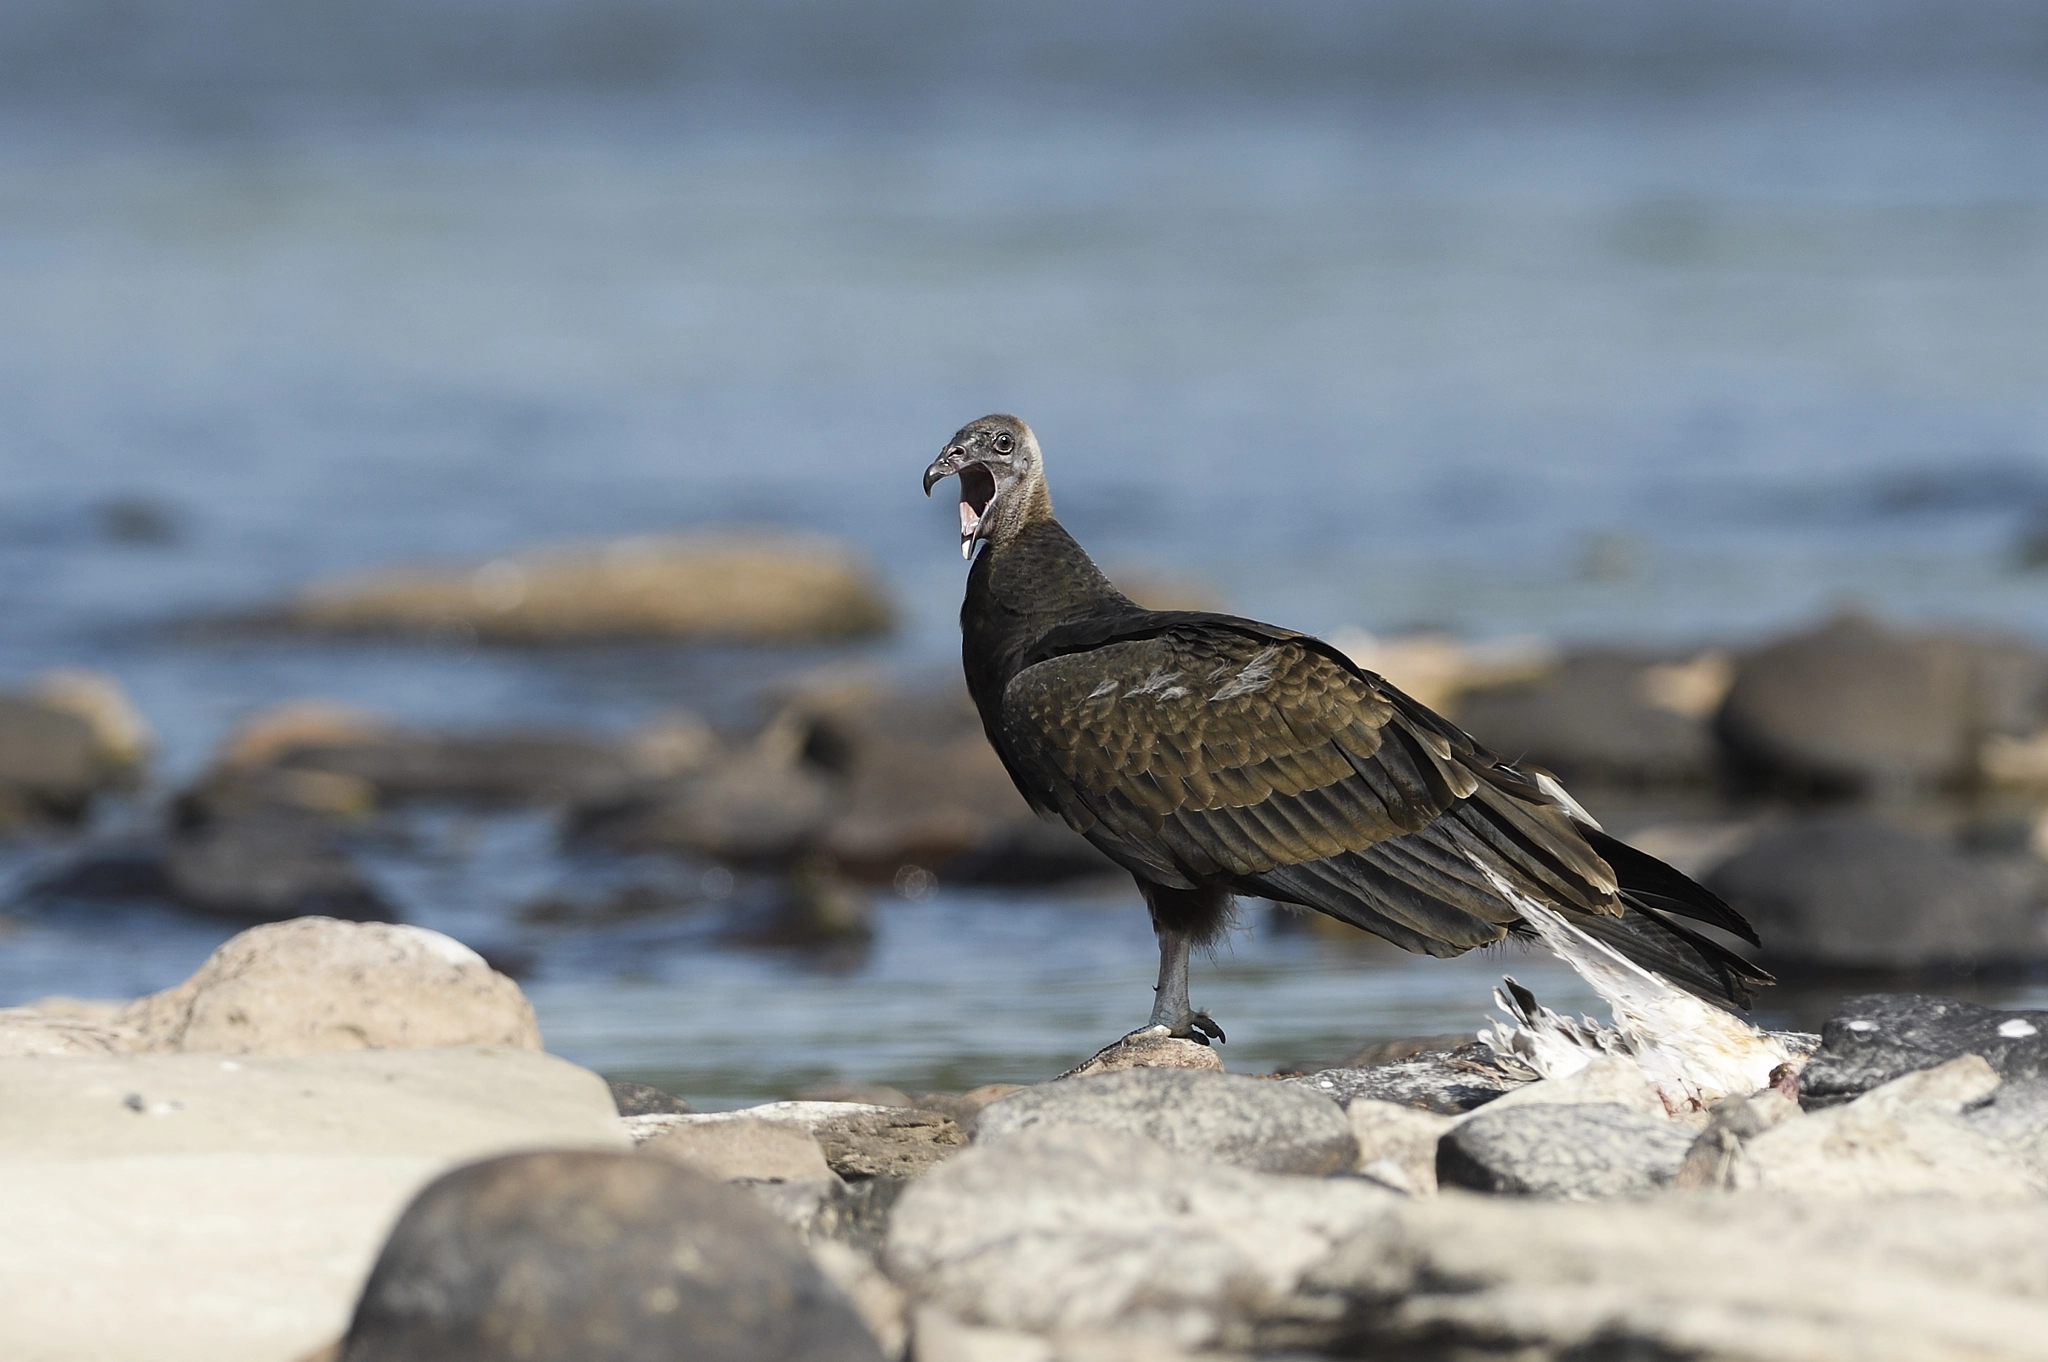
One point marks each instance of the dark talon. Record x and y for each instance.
(1205, 1027)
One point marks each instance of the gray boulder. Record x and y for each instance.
(1223, 1118)
(595, 1257)
(51, 765)
(1594, 720)
(2017, 1118)
(1071, 1228)
(1579, 1151)
(1853, 708)
(641, 1099)
(898, 1142)
(1879, 1037)
(1847, 890)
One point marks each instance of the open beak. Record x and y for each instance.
(977, 491)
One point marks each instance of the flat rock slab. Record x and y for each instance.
(1263, 1125)
(598, 1257)
(1760, 1277)
(1578, 1151)
(176, 1207)
(897, 1142)
(1881, 1036)
(1442, 1081)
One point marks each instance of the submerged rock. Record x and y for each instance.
(1847, 890)
(1882, 1036)
(316, 984)
(1579, 1151)
(267, 867)
(598, 1258)
(1265, 1126)
(757, 586)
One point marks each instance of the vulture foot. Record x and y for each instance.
(1195, 1026)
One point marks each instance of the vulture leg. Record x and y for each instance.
(1182, 919)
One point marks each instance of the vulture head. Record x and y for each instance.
(1002, 483)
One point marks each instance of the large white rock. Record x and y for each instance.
(315, 984)
(197, 1208)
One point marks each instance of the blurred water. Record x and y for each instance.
(1589, 337)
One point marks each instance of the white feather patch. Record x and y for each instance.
(1256, 676)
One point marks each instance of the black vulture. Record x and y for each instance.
(1213, 756)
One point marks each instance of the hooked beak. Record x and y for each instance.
(977, 491)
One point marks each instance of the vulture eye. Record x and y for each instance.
(1003, 443)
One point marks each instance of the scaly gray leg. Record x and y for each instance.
(1171, 1012)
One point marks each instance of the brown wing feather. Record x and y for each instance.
(1199, 754)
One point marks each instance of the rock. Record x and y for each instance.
(2017, 1118)
(515, 767)
(267, 867)
(761, 1151)
(749, 586)
(1075, 1228)
(812, 907)
(866, 1094)
(191, 1208)
(51, 764)
(1882, 1036)
(639, 1099)
(123, 741)
(32, 1030)
(852, 1213)
(1748, 1276)
(315, 984)
(1449, 1082)
(1397, 1144)
(1148, 1052)
(591, 1257)
(1731, 1124)
(763, 805)
(1904, 1138)
(1437, 668)
(1579, 1151)
(1610, 718)
(896, 1142)
(1265, 1126)
(879, 1302)
(1853, 708)
(965, 1108)
(1847, 891)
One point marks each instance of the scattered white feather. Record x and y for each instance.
(1256, 676)
(1691, 1051)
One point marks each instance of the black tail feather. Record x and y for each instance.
(1644, 877)
(1651, 939)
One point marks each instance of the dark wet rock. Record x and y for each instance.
(492, 768)
(1854, 708)
(812, 907)
(1882, 1036)
(764, 805)
(1575, 1151)
(1599, 718)
(596, 1257)
(750, 586)
(268, 867)
(902, 1142)
(641, 1099)
(1265, 1126)
(112, 871)
(1847, 890)
(1449, 1082)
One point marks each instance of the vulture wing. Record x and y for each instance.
(1203, 749)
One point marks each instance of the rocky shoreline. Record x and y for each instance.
(342, 1141)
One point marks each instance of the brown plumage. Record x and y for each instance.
(1211, 755)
